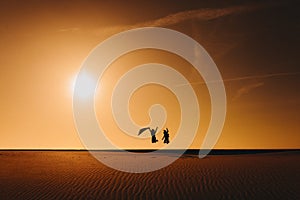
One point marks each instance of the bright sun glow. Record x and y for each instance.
(72, 82)
(84, 85)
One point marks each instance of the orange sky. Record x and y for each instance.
(43, 44)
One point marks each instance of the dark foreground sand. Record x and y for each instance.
(77, 175)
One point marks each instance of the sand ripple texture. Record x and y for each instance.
(77, 175)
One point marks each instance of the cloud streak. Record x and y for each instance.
(204, 14)
(246, 89)
(264, 76)
(73, 29)
(243, 78)
(176, 18)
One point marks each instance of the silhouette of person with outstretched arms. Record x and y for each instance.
(152, 131)
(166, 136)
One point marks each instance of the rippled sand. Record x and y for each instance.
(77, 175)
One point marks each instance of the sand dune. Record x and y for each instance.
(77, 175)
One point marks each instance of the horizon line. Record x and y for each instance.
(75, 149)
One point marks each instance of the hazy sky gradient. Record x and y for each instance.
(255, 45)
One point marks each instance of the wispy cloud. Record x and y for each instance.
(242, 78)
(176, 18)
(246, 89)
(73, 29)
(249, 87)
(262, 76)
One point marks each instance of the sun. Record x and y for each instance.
(71, 84)
(83, 86)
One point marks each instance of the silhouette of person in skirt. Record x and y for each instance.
(166, 136)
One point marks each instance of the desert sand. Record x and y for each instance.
(78, 175)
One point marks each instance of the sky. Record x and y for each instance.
(255, 45)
